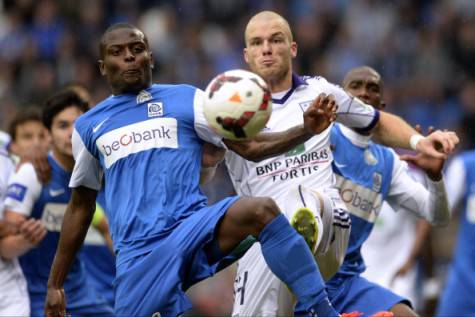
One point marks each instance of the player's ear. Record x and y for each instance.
(293, 49)
(246, 58)
(382, 105)
(102, 68)
(152, 60)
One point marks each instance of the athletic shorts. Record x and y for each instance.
(155, 282)
(355, 293)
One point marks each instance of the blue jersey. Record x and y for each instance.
(99, 260)
(457, 298)
(47, 203)
(148, 148)
(364, 175)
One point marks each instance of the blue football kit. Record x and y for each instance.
(48, 203)
(457, 296)
(364, 175)
(98, 259)
(368, 174)
(148, 147)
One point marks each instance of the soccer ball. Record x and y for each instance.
(237, 104)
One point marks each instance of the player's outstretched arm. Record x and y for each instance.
(317, 118)
(76, 222)
(393, 131)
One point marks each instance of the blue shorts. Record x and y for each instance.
(355, 293)
(457, 297)
(156, 281)
(83, 302)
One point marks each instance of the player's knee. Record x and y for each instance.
(266, 210)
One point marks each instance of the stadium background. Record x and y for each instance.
(423, 49)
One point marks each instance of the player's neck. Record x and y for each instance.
(65, 161)
(280, 84)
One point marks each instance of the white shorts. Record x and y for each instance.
(257, 291)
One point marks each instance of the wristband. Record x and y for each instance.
(414, 140)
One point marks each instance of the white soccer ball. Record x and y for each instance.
(237, 104)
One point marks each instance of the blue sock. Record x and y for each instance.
(290, 259)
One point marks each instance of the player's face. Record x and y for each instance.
(62, 130)
(366, 86)
(269, 50)
(29, 135)
(127, 62)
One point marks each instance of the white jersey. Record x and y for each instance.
(258, 292)
(308, 163)
(13, 290)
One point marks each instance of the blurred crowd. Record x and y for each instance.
(424, 50)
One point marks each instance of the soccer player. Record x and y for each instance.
(269, 51)
(13, 292)
(27, 132)
(29, 200)
(146, 141)
(457, 295)
(368, 174)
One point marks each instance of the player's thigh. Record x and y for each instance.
(403, 310)
(247, 216)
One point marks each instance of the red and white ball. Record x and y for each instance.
(237, 104)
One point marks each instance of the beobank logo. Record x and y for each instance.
(359, 200)
(137, 137)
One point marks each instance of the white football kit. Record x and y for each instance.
(13, 290)
(258, 292)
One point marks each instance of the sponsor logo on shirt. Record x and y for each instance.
(360, 201)
(53, 215)
(155, 109)
(138, 137)
(16, 191)
(296, 163)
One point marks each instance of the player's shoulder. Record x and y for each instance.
(25, 174)
(173, 88)
(314, 81)
(93, 116)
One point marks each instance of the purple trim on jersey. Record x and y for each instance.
(371, 125)
(296, 82)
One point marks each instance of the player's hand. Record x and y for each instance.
(33, 231)
(39, 159)
(431, 166)
(212, 155)
(55, 305)
(320, 114)
(438, 144)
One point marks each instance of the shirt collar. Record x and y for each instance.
(297, 81)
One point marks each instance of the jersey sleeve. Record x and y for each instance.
(87, 172)
(352, 112)
(455, 179)
(23, 190)
(202, 127)
(430, 203)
